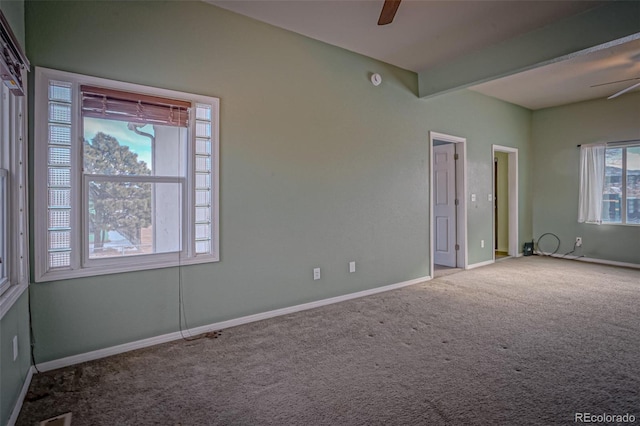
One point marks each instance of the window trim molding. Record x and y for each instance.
(5, 271)
(16, 159)
(157, 261)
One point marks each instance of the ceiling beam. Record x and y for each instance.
(613, 23)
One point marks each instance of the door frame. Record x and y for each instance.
(512, 154)
(461, 194)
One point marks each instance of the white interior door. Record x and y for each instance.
(444, 207)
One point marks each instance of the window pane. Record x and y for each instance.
(203, 112)
(203, 181)
(633, 185)
(59, 240)
(59, 198)
(203, 129)
(59, 259)
(114, 147)
(59, 219)
(59, 134)
(203, 163)
(133, 218)
(60, 113)
(612, 194)
(59, 156)
(203, 198)
(203, 146)
(202, 231)
(59, 177)
(203, 214)
(203, 246)
(60, 91)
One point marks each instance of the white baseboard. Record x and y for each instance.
(600, 261)
(101, 353)
(23, 392)
(477, 265)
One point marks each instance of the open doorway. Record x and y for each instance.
(505, 212)
(448, 212)
(501, 204)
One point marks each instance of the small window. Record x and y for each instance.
(138, 190)
(621, 195)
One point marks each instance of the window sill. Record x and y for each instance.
(117, 269)
(10, 297)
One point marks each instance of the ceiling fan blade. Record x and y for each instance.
(614, 82)
(624, 91)
(389, 10)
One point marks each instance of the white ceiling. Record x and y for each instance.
(425, 33)
(570, 80)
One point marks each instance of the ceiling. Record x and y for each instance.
(427, 33)
(571, 80)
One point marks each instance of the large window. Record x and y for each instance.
(621, 195)
(127, 176)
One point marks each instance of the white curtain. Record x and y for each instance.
(592, 167)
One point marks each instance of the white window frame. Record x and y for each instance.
(5, 281)
(623, 183)
(14, 278)
(81, 265)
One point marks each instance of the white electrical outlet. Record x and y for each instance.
(490, 197)
(578, 241)
(316, 274)
(15, 347)
(481, 243)
(473, 197)
(352, 267)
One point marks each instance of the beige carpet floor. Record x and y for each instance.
(524, 341)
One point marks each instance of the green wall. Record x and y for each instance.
(555, 134)
(318, 166)
(13, 373)
(13, 10)
(15, 322)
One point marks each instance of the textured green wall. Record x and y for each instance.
(318, 166)
(13, 10)
(555, 134)
(13, 373)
